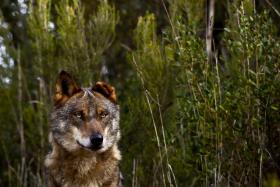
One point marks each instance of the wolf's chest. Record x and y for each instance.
(89, 184)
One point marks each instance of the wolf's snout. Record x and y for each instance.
(96, 141)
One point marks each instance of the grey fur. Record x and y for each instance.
(62, 116)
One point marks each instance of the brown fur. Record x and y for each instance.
(69, 164)
(83, 169)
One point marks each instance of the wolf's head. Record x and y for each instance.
(84, 118)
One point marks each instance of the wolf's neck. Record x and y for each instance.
(82, 162)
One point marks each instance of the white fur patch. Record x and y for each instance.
(84, 141)
(116, 153)
(106, 141)
(62, 124)
(115, 126)
(115, 123)
(87, 92)
(105, 137)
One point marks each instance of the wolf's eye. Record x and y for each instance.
(78, 114)
(103, 114)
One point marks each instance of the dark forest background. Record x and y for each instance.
(198, 82)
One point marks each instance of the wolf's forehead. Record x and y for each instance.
(92, 99)
(88, 100)
(87, 93)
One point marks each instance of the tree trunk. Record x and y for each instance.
(209, 29)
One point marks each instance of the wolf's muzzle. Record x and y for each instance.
(96, 141)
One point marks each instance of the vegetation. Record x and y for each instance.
(195, 110)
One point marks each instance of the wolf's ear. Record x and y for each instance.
(65, 87)
(106, 90)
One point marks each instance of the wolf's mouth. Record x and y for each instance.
(89, 148)
(82, 145)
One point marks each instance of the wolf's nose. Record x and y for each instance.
(96, 141)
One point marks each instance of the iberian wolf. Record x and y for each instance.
(84, 132)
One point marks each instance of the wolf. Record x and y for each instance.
(84, 135)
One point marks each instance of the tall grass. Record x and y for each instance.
(219, 114)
